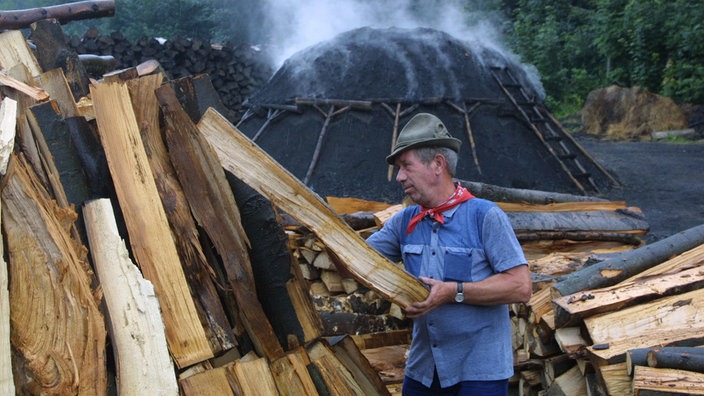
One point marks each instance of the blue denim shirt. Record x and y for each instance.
(465, 342)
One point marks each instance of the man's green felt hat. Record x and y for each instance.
(423, 130)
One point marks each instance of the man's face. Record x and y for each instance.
(417, 178)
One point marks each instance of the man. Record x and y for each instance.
(465, 250)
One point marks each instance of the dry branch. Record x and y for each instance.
(20, 19)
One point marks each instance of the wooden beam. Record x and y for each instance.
(249, 163)
(667, 380)
(149, 233)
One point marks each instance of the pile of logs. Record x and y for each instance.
(235, 71)
(137, 220)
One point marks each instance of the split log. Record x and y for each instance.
(661, 322)
(600, 221)
(149, 233)
(20, 19)
(252, 377)
(14, 51)
(213, 205)
(689, 275)
(570, 383)
(184, 230)
(291, 374)
(209, 382)
(35, 93)
(144, 366)
(49, 278)
(53, 52)
(351, 357)
(630, 263)
(616, 380)
(667, 380)
(7, 135)
(241, 157)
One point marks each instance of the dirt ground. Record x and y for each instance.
(664, 180)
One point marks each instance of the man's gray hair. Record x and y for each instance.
(426, 154)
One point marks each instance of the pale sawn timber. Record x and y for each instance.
(149, 233)
(133, 313)
(252, 165)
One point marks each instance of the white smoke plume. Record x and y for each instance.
(293, 25)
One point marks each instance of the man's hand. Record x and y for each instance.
(440, 293)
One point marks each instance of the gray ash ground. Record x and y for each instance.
(664, 180)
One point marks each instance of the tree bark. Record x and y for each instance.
(20, 19)
(614, 270)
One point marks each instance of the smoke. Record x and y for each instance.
(293, 25)
(289, 26)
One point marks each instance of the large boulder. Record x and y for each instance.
(630, 113)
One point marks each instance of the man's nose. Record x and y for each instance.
(400, 175)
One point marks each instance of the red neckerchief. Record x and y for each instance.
(460, 195)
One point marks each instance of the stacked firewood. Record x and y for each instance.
(235, 71)
(629, 323)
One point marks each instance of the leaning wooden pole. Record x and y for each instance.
(20, 19)
(248, 162)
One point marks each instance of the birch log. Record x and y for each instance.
(135, 325)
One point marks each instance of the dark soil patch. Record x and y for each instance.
(665, 180)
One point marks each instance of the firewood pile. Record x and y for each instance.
(235, 71)
(124, 239)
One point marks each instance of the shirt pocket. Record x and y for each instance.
(412, 256)
(458, 264)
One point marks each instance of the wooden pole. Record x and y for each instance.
(20, 19)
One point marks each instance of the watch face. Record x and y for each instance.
(459, 297)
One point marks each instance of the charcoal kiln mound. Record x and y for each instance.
(331, 113)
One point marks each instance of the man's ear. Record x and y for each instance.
(440, 162)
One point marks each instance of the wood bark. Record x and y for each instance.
(246, 161)
(20, 19)
(50, 278)
(614, 270)
(184, 230)
(215, 209)
(143, 367)
(149, 233)
(682, 358)
(504, 194)
(53, 52)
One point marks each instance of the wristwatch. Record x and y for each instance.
(459, 297)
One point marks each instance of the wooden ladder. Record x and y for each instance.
(550, 133)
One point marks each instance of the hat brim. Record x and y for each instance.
(451, 143)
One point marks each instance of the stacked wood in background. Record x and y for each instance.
(235, 71)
